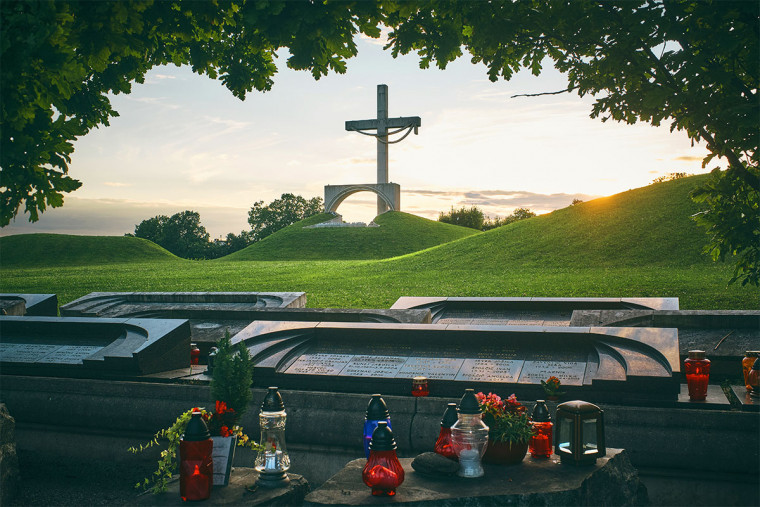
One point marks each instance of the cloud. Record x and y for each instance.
(689, 158)
(501, 202)
(381, 41)
(163, 76)
(116, 184)
(154, 101)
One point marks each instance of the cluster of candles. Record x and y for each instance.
(196, 474)
(463, 436)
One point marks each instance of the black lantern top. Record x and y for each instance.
(376, 409)
(469, 403)
(541, 412)
(382, 438)
(449, 416)
(578, 407)
(196, 429)
(273, 401)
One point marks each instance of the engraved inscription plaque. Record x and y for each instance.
(373, 366)
(569, 373)
(26, 353)
(490, 370)
(320, 364)
(431, 367)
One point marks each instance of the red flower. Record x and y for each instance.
(221, 407)
(225, 431)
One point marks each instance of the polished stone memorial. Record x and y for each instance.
(211, 314)
(535, 311)
(92, 348)
(33, 305)
(596, 364)
(724, 335)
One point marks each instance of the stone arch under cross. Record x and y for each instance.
(390, 193)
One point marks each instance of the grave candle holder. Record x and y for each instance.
(444, 445)
(273, 461)
(540, 444)
(754, 379)
(196, 465)
(376, 411)
(747, 362)
(383, 471)
(469, 436)
(420, 386)
(697, 369)
(580, 433)
(195, 354)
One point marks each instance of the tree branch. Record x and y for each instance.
(567, 90)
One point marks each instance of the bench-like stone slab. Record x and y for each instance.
(33, 305)
(71, 346)
(535, 311)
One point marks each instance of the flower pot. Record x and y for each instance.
(505, 453)
(223, 454)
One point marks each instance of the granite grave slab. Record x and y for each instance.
(623, 365)
(211, 314)
(92, 348)
(724, 335)
(33, 305)
(535, 311)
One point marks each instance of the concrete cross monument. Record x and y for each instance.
(388, 194)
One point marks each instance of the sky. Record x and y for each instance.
(183, 142)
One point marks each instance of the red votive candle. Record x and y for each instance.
(540, 445)
(420, 386)
(196, 472)
(195, 354)
(697, 370)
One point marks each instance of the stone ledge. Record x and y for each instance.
(611, 481)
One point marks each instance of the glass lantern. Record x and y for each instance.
(754, 379)
(443, 445)
(579, 433)
(697, 369)
(469, 436)
(272, 462)
(376, 411)
(383, 471)
(540, 444)
(420, 387)
(196, 465)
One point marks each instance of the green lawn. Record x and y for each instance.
(640, 243)
(398, 234)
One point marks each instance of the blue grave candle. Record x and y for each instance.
(376, 411)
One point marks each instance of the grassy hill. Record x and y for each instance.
(648, 226)
(398, 234)
(640, 243)
(27, 250)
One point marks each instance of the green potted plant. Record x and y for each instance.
(509, 429)
(552, 387)
(231, 392)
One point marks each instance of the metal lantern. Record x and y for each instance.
(579, 436)
(272, 462)
(469, 436)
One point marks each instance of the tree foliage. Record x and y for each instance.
(280, 213)
(60, 60)
(690, 63)
(182, 234)
(471, 217)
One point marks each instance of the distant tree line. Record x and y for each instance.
(183, 235)
(474, 218)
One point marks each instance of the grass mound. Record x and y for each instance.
(648, 226)
(398, 234)
(31, 250)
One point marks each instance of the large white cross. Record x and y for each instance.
(382, 124)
